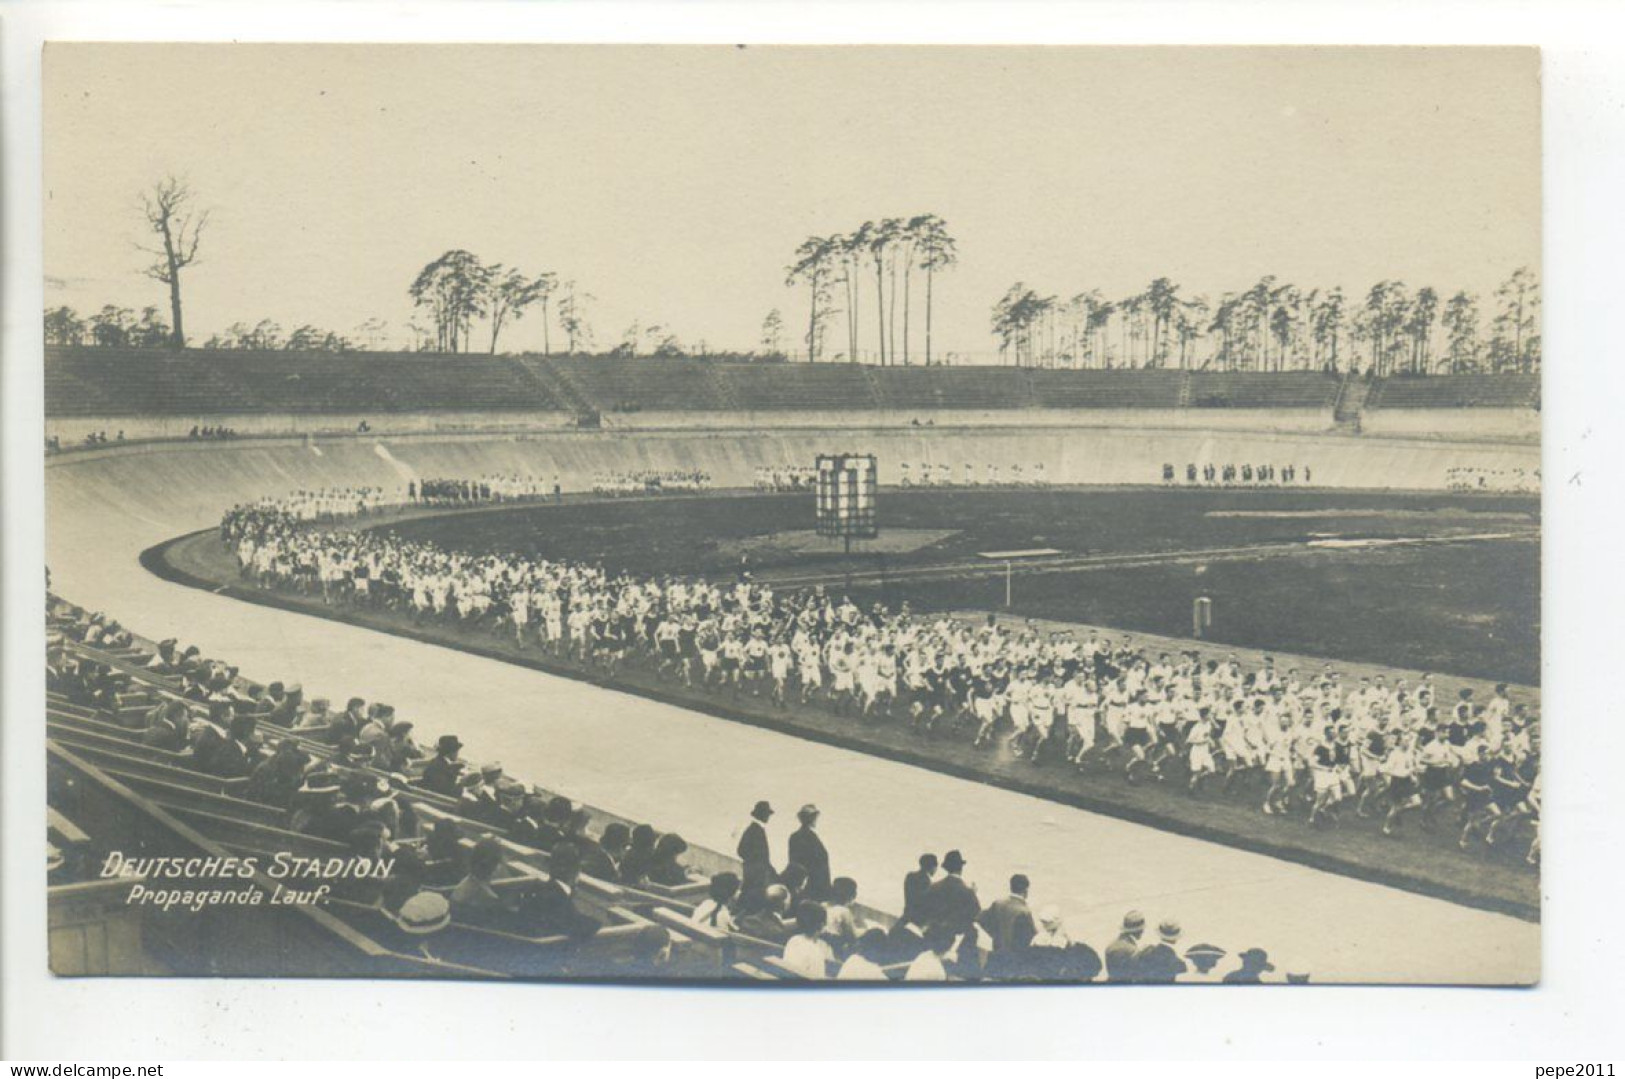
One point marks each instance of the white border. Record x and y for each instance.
(1572, 1015)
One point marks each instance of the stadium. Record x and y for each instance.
(1330, 527)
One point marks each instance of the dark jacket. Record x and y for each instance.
(951, 903)
(915, 887)
(1120, 959)
(1010, 923)
(758, 860)
(808, 851)
(551, 909)
(1158, 963)
(440, 776)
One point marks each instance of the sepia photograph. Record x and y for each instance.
(773, 515)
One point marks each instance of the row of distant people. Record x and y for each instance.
(325, 503)
(650, 482)
(990, 474)
(1471, 478)
(500, 487)
(53, 443)
(1229, 474)
(785, 477)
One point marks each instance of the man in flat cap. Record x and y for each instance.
(753, 851)
(807, 850)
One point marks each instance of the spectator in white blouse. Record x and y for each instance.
(807, 952)
(863, 965)
(929, 965)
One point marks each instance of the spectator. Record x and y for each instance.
(475, 893)
(864, 964)
(951, 904)
(666, 867)
(767, 920)
(807, 953)
(842, 927)
(1121, 953)
(551, 906)
(807, 850)
(1255, 962)
(639, 854)
(794, 878)
(753, 851)
(916, 884)
(929, 965)
(1160, 963)
(1009, 921)
(602, 860)
(277, 777)
(714, 908)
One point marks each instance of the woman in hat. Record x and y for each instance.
(1255, 962)
(422, 916)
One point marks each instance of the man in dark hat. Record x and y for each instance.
(951, 905)
(807, 850)
(441, 774)
(753, 851)
(1120, 953)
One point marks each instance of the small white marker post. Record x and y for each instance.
(1201, 615)
(1009, 560)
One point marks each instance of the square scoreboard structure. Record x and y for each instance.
(847, 484)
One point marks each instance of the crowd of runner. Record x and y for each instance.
(650, 482)
(500, 487)
(782, 478)
(1513, 480)
(1306, 742)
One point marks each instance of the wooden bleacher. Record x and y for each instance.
(166, 787)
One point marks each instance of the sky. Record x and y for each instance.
(674, 183)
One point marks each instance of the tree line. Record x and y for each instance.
(121, 327)
(1276, 326)
(838, 270)
(457, 289)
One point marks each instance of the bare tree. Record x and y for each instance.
(173, 216)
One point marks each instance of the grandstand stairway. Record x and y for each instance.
(1351, 399)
